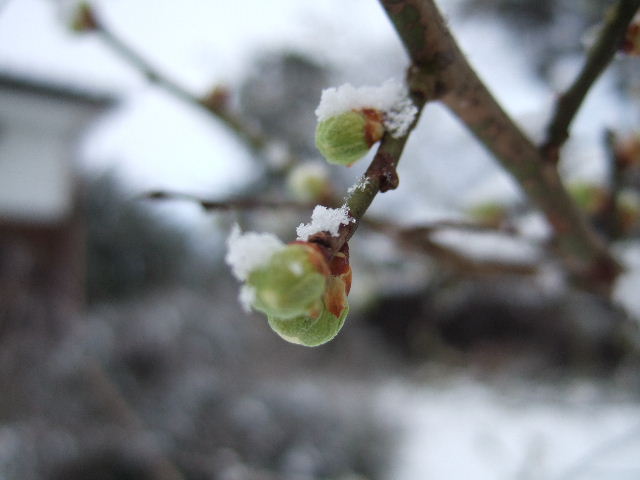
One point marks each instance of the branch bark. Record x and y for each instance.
(442, 68)
(600, 55)
(380, 176)
(254, 139)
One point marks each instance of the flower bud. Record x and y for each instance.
(490, 214)
(631, 41)
(291, 284)
(309, 182)
(79, 15)
(347, 137)
(309, 331)
(589, 197)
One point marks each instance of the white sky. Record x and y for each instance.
(153, 140)
(157, 142)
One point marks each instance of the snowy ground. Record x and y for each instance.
(461, 429)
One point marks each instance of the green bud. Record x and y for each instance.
(590, 197)
(309, 331)
(345, 138)
(83, 18)
(312, 331)
(309, 182)
(291, 284)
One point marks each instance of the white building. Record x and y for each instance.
(41, 237)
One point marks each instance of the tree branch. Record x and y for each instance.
(380, 176)
(250, 203)
(443, 69)
(601, 53)
(254, 139)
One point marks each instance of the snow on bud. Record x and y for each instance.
(291, 283)
(351, 120)
(346, 138)
(303, 295)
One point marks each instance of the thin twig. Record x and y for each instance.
(122, 413)
(416, 238)
(610, 217)
(602, 52)
(254, 139)
(240, 204)
(419, 239)
(442, 69)
(380, 176)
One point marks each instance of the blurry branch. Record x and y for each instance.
(601, 53)
(611, 214)
(440, 70)
(122, 413)
(417, 238)
(214, 103)
(240, 204)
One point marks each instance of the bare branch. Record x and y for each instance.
(226, 205)
(607, 44)
(443, 70)
(254, 139)
(380, 176)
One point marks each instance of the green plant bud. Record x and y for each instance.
(313, 331)
(83, 18)
(590, 197)
(345, 138)
(309, 331)
(291, 284)
(309, 182)
(631, 42)
(490, 214)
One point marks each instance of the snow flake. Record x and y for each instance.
(324, 219)
(362, 183)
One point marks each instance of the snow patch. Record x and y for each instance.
(246, 297)
(390, 98)
(324, 219)
(248, 251)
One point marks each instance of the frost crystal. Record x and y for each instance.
(390, 98)
(248, 251)
(361, 184)
(324, 219)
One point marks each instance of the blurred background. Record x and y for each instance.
(124, 353)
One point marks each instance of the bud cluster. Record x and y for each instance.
(303, 295)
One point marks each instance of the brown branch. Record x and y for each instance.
(443, 70)
(122, 413)
(607, 44)
(225, 205)
(419, 239)
(254, 139)
(380, 176)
